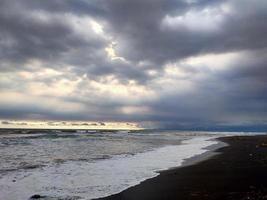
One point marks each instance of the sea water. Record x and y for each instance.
(87, 165)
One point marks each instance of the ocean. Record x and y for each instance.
(90, 164)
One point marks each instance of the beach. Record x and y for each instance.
(119, 165)
(237, 171)
(87, 165)
(133, 100)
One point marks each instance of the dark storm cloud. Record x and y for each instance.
(145, 40)
(248, 91)
(139, 32)
(138, 27)
(41, 30)
(237, 96)
(38, 30)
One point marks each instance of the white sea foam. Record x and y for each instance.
(100, 178)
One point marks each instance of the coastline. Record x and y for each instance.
(211, 151)
(235, 171)
(101, 178)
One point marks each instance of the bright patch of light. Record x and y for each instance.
(131, 92)
(16, 99)
(213, 61)
(43, 73)
(48, 124)
(97, 28)
(111, 53)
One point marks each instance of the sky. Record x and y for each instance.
(174, 64)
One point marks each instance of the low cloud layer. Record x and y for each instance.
(176, 64)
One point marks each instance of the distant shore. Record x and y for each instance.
(235, 172)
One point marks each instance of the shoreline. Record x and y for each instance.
(234, 171)
(195, 159)
(115, 174)
(211, 151)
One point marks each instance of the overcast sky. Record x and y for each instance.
(175, 63)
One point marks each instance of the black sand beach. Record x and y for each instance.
(239, 172)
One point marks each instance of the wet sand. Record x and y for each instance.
(237, 172)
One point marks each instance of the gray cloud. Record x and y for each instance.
(143, 38)
(149, 35)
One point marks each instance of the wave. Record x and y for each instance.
(103, 177)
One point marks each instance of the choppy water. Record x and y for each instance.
(89, 164)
